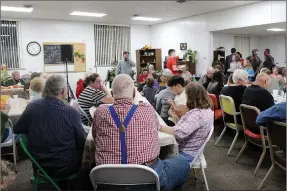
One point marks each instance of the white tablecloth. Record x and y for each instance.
(164, 140)
(16, 111)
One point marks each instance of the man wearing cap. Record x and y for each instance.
(255, 61)
(125, 65)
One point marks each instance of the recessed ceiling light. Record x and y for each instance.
(146, 19)
(17, 9)
(87, 14)
(276, 29)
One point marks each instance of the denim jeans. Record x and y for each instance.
(187, 157)
(172, 172)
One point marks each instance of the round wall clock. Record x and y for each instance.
(33, 48)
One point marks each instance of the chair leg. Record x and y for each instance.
(221, 135)
(195, 174)
(233, 142)
(14, 154)
(260, 160)
(204, 177)
(241, 151)
(266, 176)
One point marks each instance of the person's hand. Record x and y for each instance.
(175, 116)
(169, 101)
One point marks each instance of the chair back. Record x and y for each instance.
(248, 117)
(277, 133)
(214, 101)
(92, 111)
(124, 174)
(227, 104)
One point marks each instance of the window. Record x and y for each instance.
(242, 45)
(110, 43)
(9, 48)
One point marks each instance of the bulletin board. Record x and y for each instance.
(55, 55)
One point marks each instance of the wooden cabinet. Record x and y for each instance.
(191, 66)
(150, 56)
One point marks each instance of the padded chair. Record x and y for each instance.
(124, 175)
(11, 142)
(276, 134)
(40, 176)
(253, 133)
(199, 160)
(216, 109)
(228, 107)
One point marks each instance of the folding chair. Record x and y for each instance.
(124, 175)
(217, 111)
(228, 106)
(11, 142)
(199, 160)
(276, 134)
(40, 176)
(92, 110)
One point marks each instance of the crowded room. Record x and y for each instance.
(143, 95)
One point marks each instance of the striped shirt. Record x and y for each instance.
(88, 98)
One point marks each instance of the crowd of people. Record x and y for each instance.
(55, 130)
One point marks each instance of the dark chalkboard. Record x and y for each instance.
(52, 54)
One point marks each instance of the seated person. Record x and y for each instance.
(151, 69)
(7, 175)
(185, 74)
(216, 84)
(164, 78)
(178, 106)
(80, 84)
(236, 91)
(54, 130)
(275, 113)
(154, 76)
(142, 140)
(257, 94)
(142, 79)
(193, 128)
(204, 80)
(248, 68)
(273, 83)
(149, 91)
(15, 80)
(36, 88)
(94, 94)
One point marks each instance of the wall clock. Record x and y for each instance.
(33, 48)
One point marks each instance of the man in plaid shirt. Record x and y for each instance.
(128, 134)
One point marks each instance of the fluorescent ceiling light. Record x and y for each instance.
(5, 35)
(16, 9)
(146, 19)
(87, 14)
(276, 29)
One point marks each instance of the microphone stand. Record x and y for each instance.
(68, 85)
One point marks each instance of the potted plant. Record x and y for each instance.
(190, 56)
(82, 56)
(76, 55)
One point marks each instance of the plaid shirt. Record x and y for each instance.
(141, 134)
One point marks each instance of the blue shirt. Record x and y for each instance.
(274, 113)
(250, 72)
(54, 132)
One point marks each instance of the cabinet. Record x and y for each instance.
(149, 56)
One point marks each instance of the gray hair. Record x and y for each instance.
(54, 86)
(123, 87)
(14, 73)
(239, 75)
(210, 69)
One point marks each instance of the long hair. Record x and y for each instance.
(90, 79)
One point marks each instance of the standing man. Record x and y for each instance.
(255, 61)
(171, 62)
(269, 60)
(125, 65)
(228, 60)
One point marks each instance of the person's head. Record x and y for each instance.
(126, 55)
(37, 85)
(218, 67)
(16, 75)
(151, 67)
(233, 50)
(230, 80)
(184, 68)
(246, 63)
(7, 174)
(239, 54)
(123, 87)
(150, 82)
(45, 76)
(34, 75)
(171, 52)
(267, 52)
(176, 83)
(150, 75)
(254, 52)
(275, 70)
(210, 72)
(240, 77)
(154, 75)
(165, 75)
(263, 80)
(197, 96)
(265, 70)
(55, 87)
(145, 71)
(233, 58)
(217, 76)
(94, 81)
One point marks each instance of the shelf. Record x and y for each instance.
(149, 62)
(148, 55)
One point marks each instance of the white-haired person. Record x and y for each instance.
(54, 130)
(7, 175)
(206, 79)
(80, 84)
(94, 94)
(15, 80)
(36, 88)
(166, 74)
(138, 135)
(236, 91)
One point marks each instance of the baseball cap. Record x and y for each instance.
(255, 50)
(166, 72)
(126, 52)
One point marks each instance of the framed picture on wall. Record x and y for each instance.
(183, 46)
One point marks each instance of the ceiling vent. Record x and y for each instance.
(181, 1)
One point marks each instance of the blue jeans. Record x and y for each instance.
(172, 172)
(188, 158)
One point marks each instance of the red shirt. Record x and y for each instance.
(142, 139)
(80, 87)
(142, 77)
(170, 63)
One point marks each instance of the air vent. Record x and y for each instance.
(181, 1)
